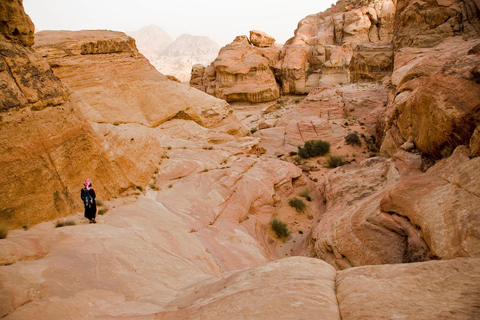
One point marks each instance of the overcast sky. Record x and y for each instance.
(220, 20)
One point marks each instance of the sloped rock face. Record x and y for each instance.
(16, 26)
(411, 291)
(427, 24)
(393, 213)
(142, 95)
(243, 71)
(435, 89)
(321, 51)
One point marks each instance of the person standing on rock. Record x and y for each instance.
(88, 198)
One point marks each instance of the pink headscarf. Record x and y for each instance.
(87, 183)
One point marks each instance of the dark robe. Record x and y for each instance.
(91, 212)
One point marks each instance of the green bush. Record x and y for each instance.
(298, 204)
(313, 148)
(353, 139)
(334, 161)
(306, 194)
(280, 228)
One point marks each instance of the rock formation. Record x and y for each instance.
(435, 87)
(65, 135)
(350, 42)
(242, 71)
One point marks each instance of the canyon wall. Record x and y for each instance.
(56, 133)
(435, 84)
(350, 42)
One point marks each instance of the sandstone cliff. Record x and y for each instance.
(350, 42)
(94, 129)
(435, 85)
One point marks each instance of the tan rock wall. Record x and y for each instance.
(321, 51)
(428, 23)
(435, 102)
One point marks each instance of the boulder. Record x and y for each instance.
(261, 39)
(243, 72)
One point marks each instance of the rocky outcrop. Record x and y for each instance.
(243, 71)
(393, 213)
(434, 100)
(261, 39)
(321, 51)
(350, 42)
(140, 95)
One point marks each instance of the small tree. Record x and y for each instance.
(353, 139)
(313, 148)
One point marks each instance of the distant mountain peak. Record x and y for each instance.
(152, 38)
(187, 45)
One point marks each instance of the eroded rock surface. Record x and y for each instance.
(243, 71)
(389, 212)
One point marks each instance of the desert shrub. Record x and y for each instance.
(60, 224)
(353, 139)
(280, 228)
(3, 232)
(116, 123)
(293, 153)
(102, 211)
(334, 161)
(298, 160)
(298, 204)
(313, 148)
(99, 202)
(305, 194)
(297, 101)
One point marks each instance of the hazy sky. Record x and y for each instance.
(220, 20)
